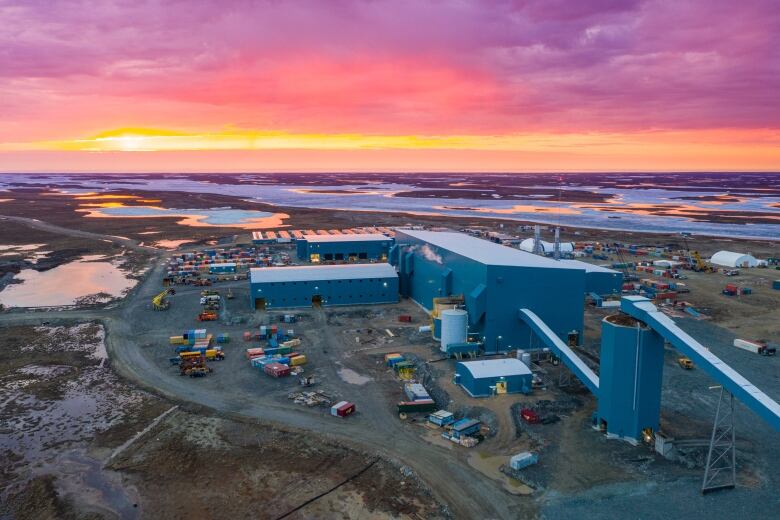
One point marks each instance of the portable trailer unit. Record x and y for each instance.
(442, 418)
(416, 392)
(465, 428)
(342, 409)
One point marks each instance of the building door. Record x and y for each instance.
(260, 304)
(316, 301)
(500, 387)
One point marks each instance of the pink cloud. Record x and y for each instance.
(389, 66)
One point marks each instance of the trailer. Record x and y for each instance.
(342, 409)
(756, 347)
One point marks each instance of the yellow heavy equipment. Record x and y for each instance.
(160, 302)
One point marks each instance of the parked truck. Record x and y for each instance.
(756, 347)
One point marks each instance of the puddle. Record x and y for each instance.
(83, 479)
(353, 378)
(67, 283)
(170, 244)
(489, 466)
(214, 217)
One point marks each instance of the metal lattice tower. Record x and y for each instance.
(538, 249)
(720, 471)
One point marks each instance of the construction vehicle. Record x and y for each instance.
(207, 316)
(160, 302)
(685, 362)
(694, 259)
(214, 355)
(209, 292)
(194, 367)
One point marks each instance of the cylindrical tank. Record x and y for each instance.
(454, 327)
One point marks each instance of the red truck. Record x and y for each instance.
(529, 416)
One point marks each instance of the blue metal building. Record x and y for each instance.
(344, 248)
(495, 282)
(599, 280)
(487, 377)
(322, 285)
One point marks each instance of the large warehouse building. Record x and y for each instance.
(344, 248)
(495, 281)
(322, 285)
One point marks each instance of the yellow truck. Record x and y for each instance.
(214, 355)
(685, 362)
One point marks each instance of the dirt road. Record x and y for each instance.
(466, 493)
(45, 226)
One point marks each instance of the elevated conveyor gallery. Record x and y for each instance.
(643, 310)
(628, 387)
(570, 359)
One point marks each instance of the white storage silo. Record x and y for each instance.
(454, 327)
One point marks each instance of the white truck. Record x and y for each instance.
(756, 347)
(212, 298)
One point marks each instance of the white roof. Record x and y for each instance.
(496, 368)
(313, 273)
(589, 268)
(365, 237)
(732, 259)
(547, 247)
(483, 251)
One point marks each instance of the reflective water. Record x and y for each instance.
(215, 217)
(64, 284)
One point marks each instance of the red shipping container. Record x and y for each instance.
(277, 370)
(731, 287)
(342, 409)
(405, 318)
(253, 352)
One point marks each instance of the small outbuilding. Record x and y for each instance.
(493, 376)
(732, 259)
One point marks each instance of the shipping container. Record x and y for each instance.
(442, 418)
(523, 460)
(277, 369)
(755, 347)
(416, 392)
(254, 352)
(342, 409)
(297, 360)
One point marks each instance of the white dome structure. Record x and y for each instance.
(732, 259)
(547, 247)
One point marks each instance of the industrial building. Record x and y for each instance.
(484, 378)
(598, 280)
(732, 259)
(322, 285)
(344, 248)
(494, 282)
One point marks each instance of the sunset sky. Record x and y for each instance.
(466, 85)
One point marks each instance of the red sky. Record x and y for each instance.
(389, 85)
